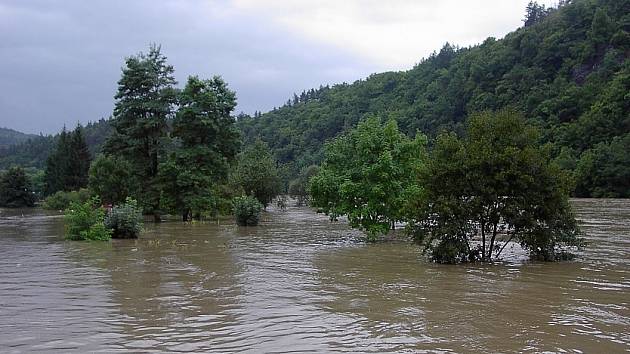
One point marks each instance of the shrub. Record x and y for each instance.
(84, 221)
(62, 199)
(125, 220)
(246, 210)
(15, 189)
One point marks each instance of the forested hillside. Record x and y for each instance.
(566, 70)
(34, 150)
(10, 137)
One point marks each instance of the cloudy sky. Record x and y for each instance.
(60, 59)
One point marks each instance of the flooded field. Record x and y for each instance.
(299, 283)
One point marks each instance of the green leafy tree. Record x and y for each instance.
(604, 171)
(85, 221)
(299, 187)
(368, 175)
(144, 103)
(15, 189)
(257, 173)
(246, 210)
(208, 142)
(496, 183)
(110, 177)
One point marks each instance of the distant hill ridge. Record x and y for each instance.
(566, 70)
(33, 150)
(10, 137)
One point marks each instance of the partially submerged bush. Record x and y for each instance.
(62, 199)
(84, 221)
(246, 210)
(125, 220)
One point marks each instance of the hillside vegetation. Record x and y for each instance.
(10, 137)
(33, 151)
(566, 70)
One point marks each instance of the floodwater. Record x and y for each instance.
(299, 283)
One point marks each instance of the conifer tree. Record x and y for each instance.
(144, 103)
(208, 143)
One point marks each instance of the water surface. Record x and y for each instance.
(299, 283)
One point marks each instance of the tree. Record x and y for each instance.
(256, 172)
(110, 178)
(534, 13)
(77, 176)
(601, 30)
(15, 189)
(368, 174)
(67, 167)
(496, 183)
(208, 143)
(57, 165)
(604, 171)
(299, 187)
(144, 103)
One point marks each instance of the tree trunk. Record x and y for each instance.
(494, 235)
(483, 240)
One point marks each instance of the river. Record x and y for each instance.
(298, 283)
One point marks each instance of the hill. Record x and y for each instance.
(35, 149)
(566, 70)
(10, 137)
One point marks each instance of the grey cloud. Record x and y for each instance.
(61, 60)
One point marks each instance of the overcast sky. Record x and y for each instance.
(60, 59)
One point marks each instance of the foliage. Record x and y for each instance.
(604, 171)
(208, 143)
(144, 103)
(62, 200)
(67, 166)
(125, 220)
(10, 137)
(247, 210)
(32, 151)
(38, 185)
(15, 189)
(368, 174)
(299, 187)
(568, 73)
(110, 178)
(497, 182)
(85, 221)
(256, 172)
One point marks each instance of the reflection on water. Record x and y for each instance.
(298, 283)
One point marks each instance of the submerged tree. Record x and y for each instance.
(495, 184)
(299, 188)
(15, 189)
(368, 175)
(110, 178)
(256, 172)
(208, 143)
(144, 103)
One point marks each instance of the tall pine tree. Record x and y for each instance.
(208, 142)
(144, 103)
(67, 166)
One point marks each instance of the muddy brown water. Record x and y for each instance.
(299, 283)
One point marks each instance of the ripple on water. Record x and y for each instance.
(300, 284)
